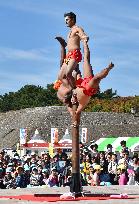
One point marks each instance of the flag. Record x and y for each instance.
(23, 135)
(51, 150)
(84, 135)
(54, 135)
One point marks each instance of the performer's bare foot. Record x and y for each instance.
(111, 65)
(61, 40)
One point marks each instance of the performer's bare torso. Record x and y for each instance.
(73, 40)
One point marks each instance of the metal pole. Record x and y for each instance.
(75, 179)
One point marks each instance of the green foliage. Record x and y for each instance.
(108, 94)
(31, 96)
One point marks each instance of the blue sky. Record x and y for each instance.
(29, 54)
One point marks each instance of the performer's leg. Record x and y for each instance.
(62, 72)
(63, 50)
(70, 67)
(94, 83)
(104, 72)
(66, 70)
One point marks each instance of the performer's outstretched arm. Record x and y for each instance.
(87, 68)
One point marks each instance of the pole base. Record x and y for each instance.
(75, 186)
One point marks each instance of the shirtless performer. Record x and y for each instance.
(86, 87)
(74, 55)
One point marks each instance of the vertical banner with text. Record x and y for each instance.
(84, 135)
(54, 135)
(23, 135)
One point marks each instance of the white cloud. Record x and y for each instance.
(38, 7)
(14, 81)
(18, 54)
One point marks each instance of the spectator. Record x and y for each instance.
(109, 148)
(137, 176)
(90, 175)
(108, 157)
(45, 174)
(9, 180)
(123, 175)
(42, 155)
(40, 168)
(94, 149)
(20, 179)
(53, 178)
(94, 161)
(2, 186)
(103, 162)
(112, 169)
(123, 145)
(27, 174)
(96, 176)
(35, 177)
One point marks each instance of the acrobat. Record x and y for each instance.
(85, 87)
(73, 56)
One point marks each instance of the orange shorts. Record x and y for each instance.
(74, 54)
(89, 91)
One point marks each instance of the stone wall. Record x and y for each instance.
(99, 124)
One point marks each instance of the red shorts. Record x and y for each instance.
(57, 84)
(84, 84)
(74, 54)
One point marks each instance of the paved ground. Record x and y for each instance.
(130, 190)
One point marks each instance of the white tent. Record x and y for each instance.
(66, 138)
(36, 138)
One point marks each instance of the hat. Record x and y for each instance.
(98, 167)
(33, 165)
(85, 150)
(91, 166)
(44, 170)
(121, 161)
(53, 169)
(10, 164)
(121, 166)
(27, 157)
(33, 153)
(8, 170)
(34, 169)
(43, 152)
(16, 157)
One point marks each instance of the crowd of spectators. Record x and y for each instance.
(96, 168)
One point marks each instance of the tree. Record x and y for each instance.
(108, 94)
(29, 96)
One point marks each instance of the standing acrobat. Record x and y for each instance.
(73, 56)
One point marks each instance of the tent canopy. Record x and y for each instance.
(131, 143)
